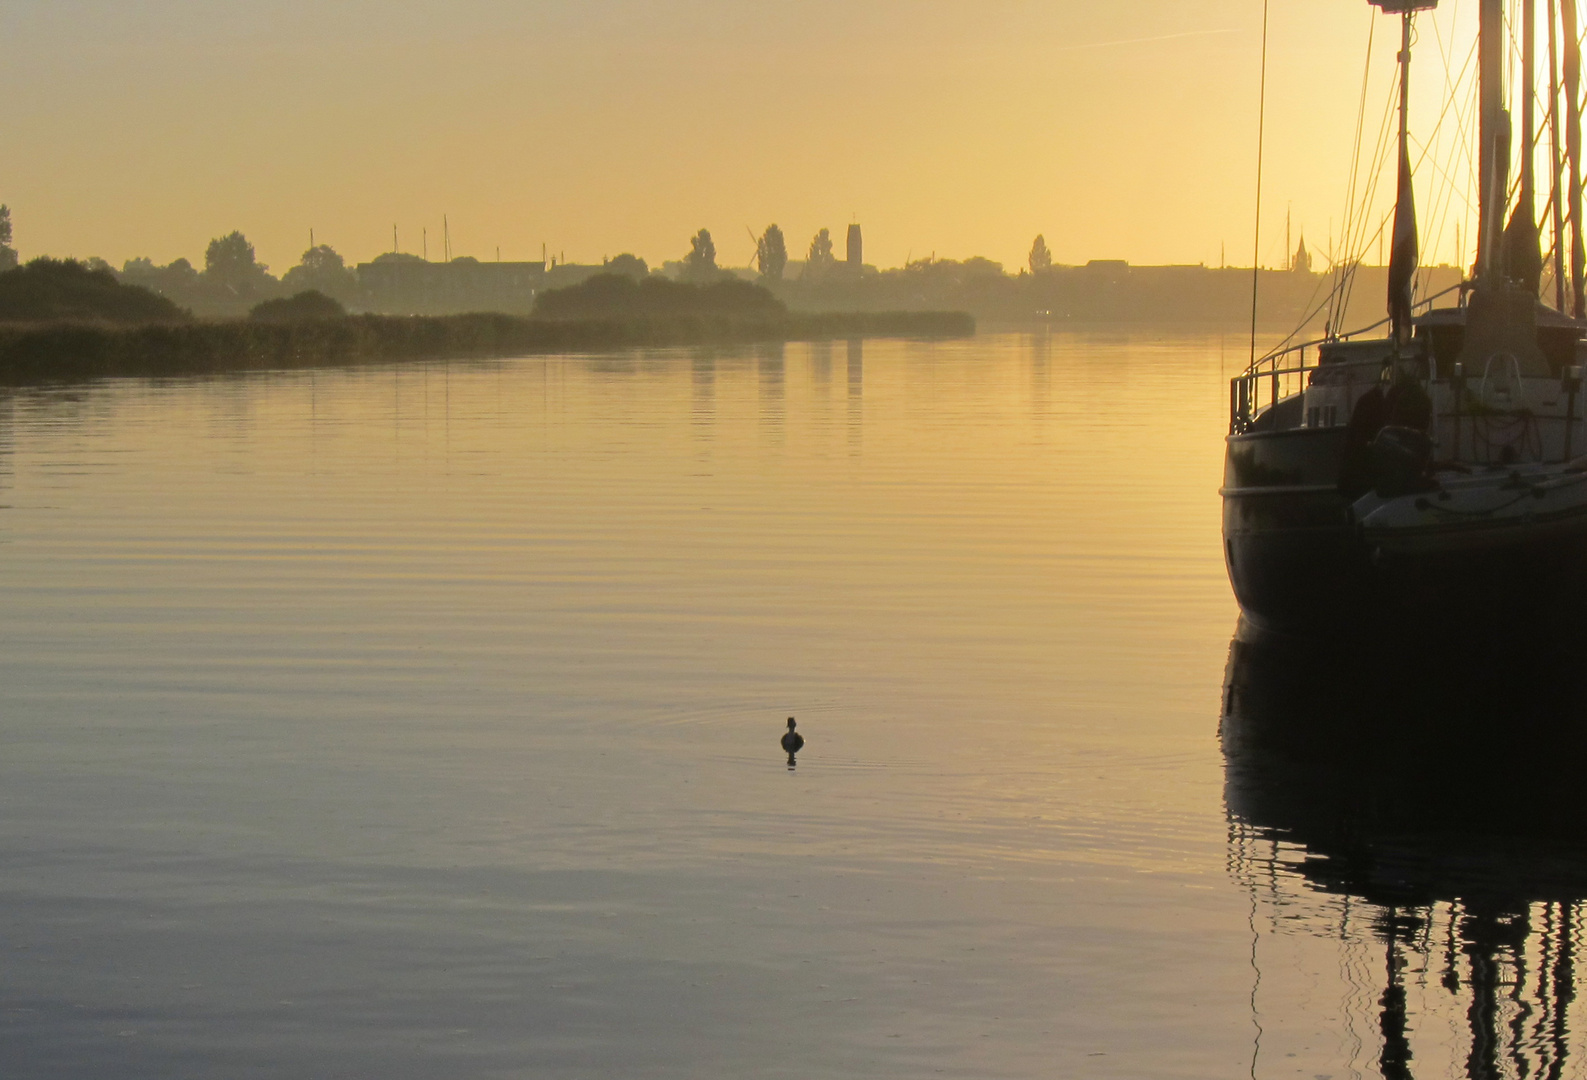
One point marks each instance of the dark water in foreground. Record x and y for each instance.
(423, 723)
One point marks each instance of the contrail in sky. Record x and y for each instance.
(1143, 40)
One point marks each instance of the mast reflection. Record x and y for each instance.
(1440, 797)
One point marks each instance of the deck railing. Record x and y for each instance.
(1283, 371)
(1468, 424)
(1266, 383)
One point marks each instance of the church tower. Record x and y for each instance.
(1301, 264)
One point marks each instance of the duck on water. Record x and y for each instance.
(792, 742)
(1438, 473)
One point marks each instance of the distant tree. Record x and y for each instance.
(820, 259)
(771, 254)
(178, 282)
(48, 290)
(229, 263)
(617, 296)
(1040, 257)
(322, 271)
(700, 263)
(181, 273)
(162, 279)
(307, 306)
(8, 255)
(980, 266)
(627, 265)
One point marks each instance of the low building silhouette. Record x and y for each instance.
(396, 284)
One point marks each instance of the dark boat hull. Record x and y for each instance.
(1300, 566)
(1293, 555)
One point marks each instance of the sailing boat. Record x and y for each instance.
(1435, 472)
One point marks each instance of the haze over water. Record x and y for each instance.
(423, 722)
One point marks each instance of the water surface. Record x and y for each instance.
(423, 722)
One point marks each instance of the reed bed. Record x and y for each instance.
(55, 352)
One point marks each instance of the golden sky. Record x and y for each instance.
(1119, 130)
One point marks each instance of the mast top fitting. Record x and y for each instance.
(1404, 7)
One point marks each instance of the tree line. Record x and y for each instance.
(771, 256)
(233, 278)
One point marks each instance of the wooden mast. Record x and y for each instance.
(1494, 136)
(1524, 260)
(1405, 252)
(1528, 119)
(1572, 74)
(1555, 157)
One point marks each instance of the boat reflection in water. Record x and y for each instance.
(1422, 822)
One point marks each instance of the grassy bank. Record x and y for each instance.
(67, 351)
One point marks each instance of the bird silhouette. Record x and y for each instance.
(792, 741)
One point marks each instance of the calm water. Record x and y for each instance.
(423, 723)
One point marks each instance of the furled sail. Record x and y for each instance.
(1405, 255)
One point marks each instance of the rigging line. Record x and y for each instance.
(1375, 171)
(1355, 153)
(1451, 85)
(1279, 350)
(1438, 203)
(1463, 143)
(1343, 269)
(1459, 159)
(1427, 149)
(1357, 251)
(1379, 164)
(1448, 177)
(1370, 198)
(1360, 214)
(1354, 224)
(1459, 148)
(1256, 240)
(1362, 192)
(1356, 220)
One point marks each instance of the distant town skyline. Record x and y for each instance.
(605, 126)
